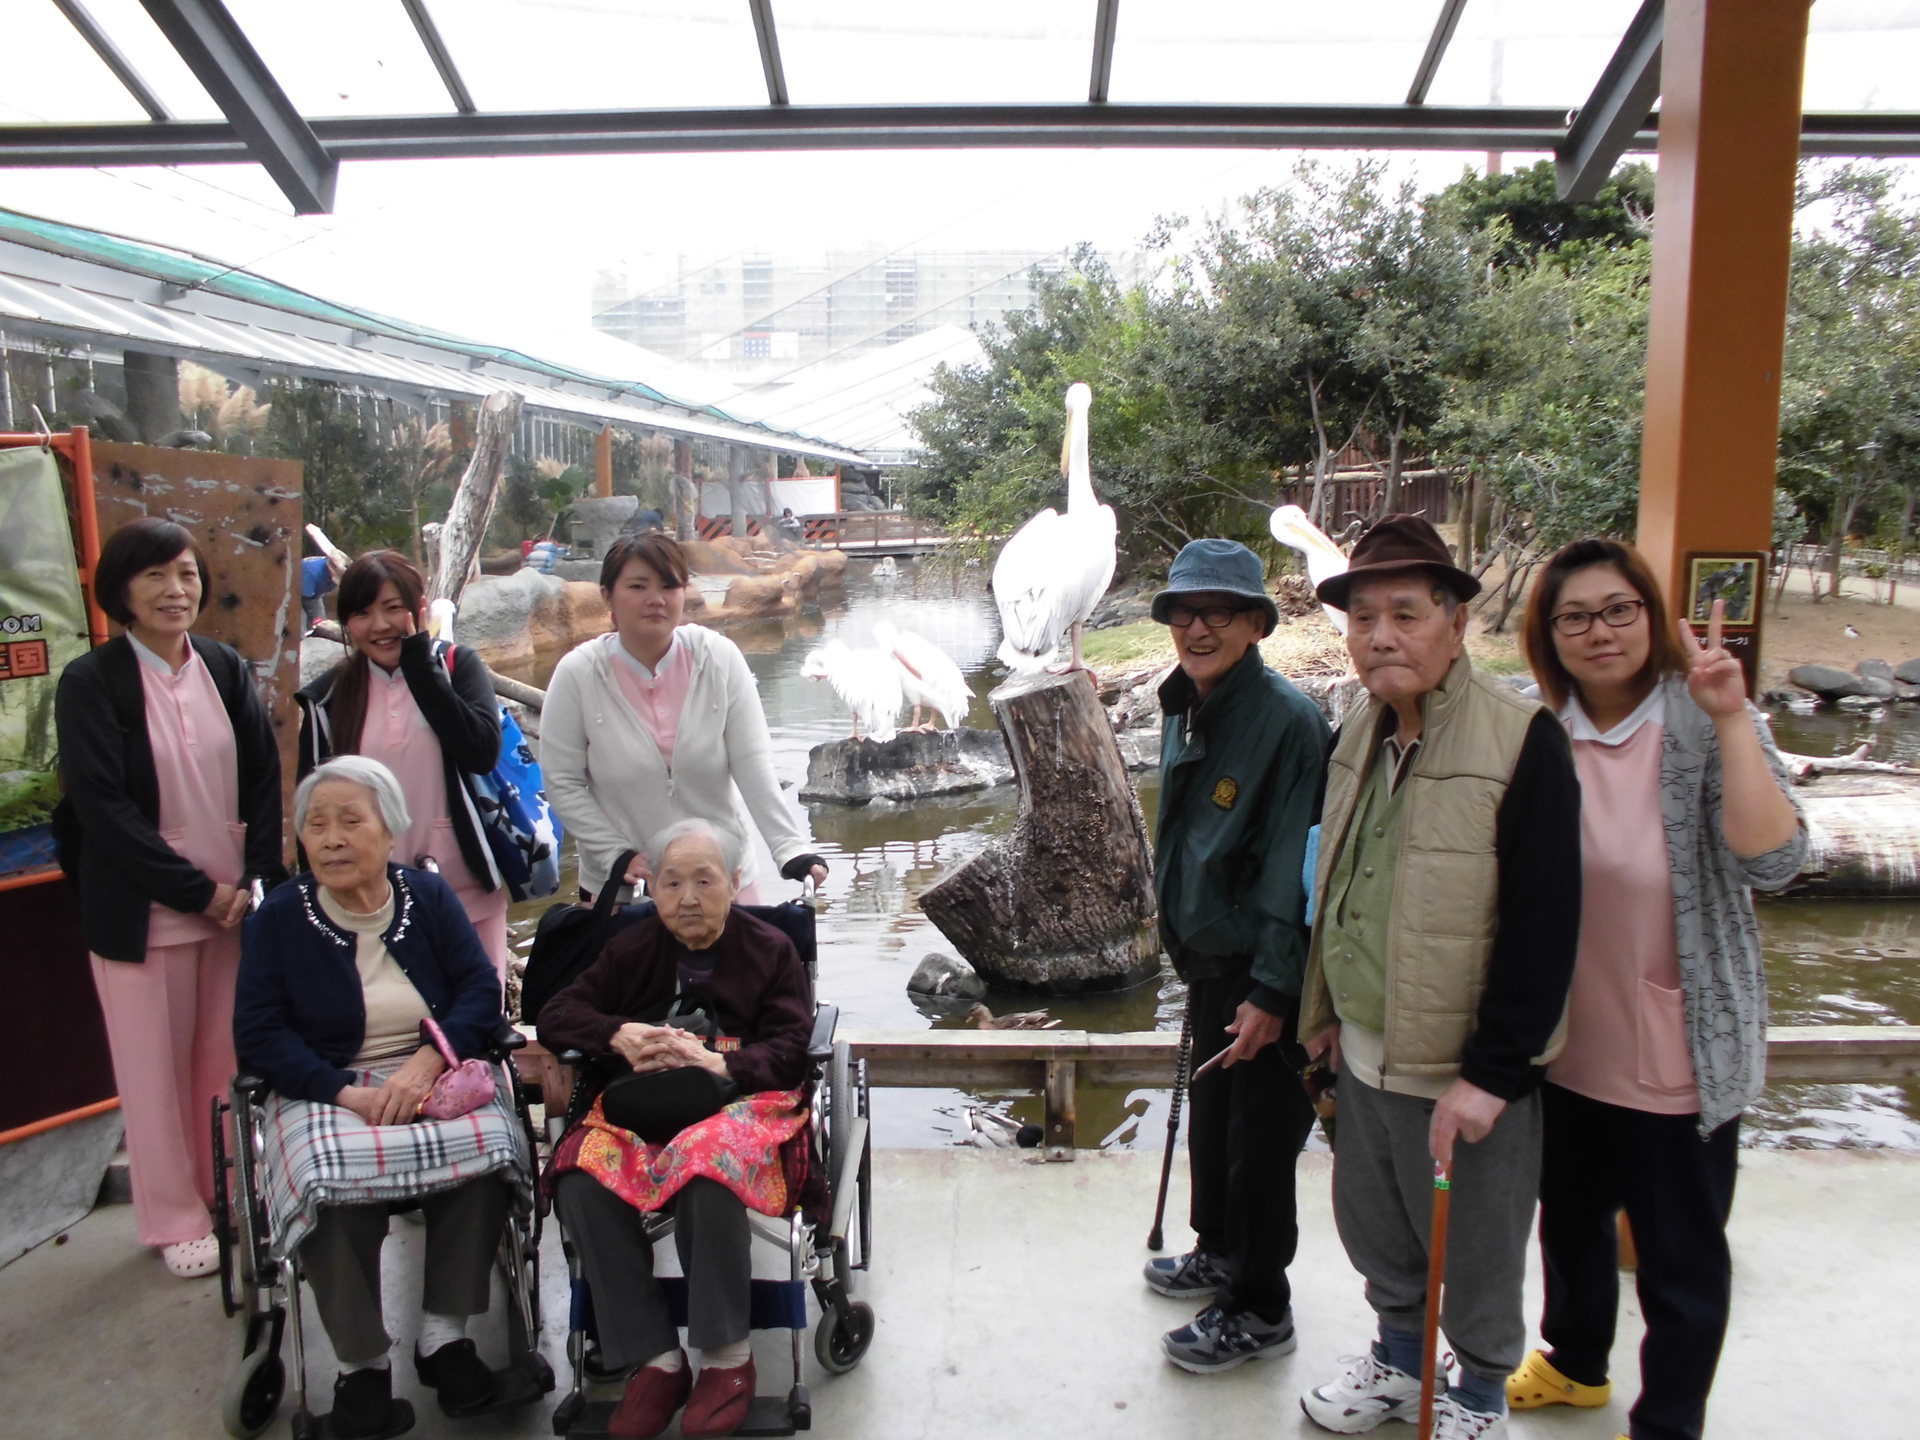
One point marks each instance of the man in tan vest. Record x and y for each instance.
(1447, 899)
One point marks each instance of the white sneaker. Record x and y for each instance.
(1454, 1421)
(1369, 1393)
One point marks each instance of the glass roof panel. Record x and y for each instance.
(68, 82)
(1253, 52)
(603, 54)
(348, 57)
(1863, 55)
(879, 52)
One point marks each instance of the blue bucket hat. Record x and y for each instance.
(1224, 567)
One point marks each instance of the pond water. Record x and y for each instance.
(1831, 962)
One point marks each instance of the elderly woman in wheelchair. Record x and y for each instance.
(345, 974)
(702, 1014)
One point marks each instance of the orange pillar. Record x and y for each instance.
(603, 462)
(1723, 215)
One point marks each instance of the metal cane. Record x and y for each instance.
(1154, 1236)
(1436, 1276)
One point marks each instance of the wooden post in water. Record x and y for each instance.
(1066, 902)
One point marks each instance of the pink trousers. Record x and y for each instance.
(488, 912)
(170, 1026)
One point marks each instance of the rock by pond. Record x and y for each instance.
(1874, 680)
(947, 976)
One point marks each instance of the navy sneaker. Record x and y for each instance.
(1192, 1276)
(1214, 1340)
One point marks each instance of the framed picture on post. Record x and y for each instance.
(1739, 579)
(1735, 579)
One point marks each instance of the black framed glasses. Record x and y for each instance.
(1215, 617)
(1619, 615)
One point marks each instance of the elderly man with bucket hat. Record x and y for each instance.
(1242, 761)
(1447, 914)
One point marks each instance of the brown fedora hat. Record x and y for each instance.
(1398, 542)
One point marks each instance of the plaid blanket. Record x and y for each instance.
(319, 1154)
(756, 1147)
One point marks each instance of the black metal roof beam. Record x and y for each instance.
(1436, 49)
(1618, 107)
(227, 66)
(442, 58)
(1105, 22)
(769, 37)
(883, 127)
(82, 20)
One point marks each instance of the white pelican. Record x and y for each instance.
(928, 677)
(867, 680)
(1056, 567)
(440, 615)
(887, 568)
(1325, 559)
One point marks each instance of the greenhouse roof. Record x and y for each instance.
(83, 285)
(300, 89)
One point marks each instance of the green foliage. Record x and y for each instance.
(352, 482)
(1850, 396)
(1524, 209)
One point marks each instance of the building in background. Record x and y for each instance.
(757, 316)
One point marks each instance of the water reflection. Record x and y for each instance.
(1830, 963)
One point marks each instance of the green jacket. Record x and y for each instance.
(1241, 777)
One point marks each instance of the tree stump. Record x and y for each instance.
(1065, 903)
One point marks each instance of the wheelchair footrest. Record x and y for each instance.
(768, 1416)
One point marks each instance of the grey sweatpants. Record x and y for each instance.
(1383, 1205)
(341, 1260)
(630, 1309)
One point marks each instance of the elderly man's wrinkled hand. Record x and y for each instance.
(1464, 1112)
(1253, 1029)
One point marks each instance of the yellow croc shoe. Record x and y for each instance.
(1536, 1383)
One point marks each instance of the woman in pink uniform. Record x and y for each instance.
(173, 775)
(427, 712)
(1684, 805)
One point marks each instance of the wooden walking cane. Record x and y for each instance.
(1436, 1278)
(1155, 1238)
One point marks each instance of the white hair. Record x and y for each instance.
(727, 843)
(358, 770)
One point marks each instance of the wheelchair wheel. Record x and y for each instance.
(839, 1342)
(253, 1394)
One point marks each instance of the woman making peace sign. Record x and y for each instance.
(1684, 805)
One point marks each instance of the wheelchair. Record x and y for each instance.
(267, 1291)
(823, 1246)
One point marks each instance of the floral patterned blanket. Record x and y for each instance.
(756, 1147)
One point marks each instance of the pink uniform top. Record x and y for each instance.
(1626, 1015)
(396, 734)
(657, 695)
(198, 767)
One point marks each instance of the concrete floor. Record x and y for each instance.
(1008, 1304)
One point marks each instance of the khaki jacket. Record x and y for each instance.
(1446, 897)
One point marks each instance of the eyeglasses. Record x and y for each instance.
(1619, 615)
(1216, 617)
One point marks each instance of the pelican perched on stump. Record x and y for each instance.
(867, 680)
(928, 677)
(1325, 559)
(1056, 567)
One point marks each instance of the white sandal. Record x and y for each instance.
(192, 1259)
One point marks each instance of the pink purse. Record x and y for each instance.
(463, 1087)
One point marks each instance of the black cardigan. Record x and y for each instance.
(461, 710)
(106, 765)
